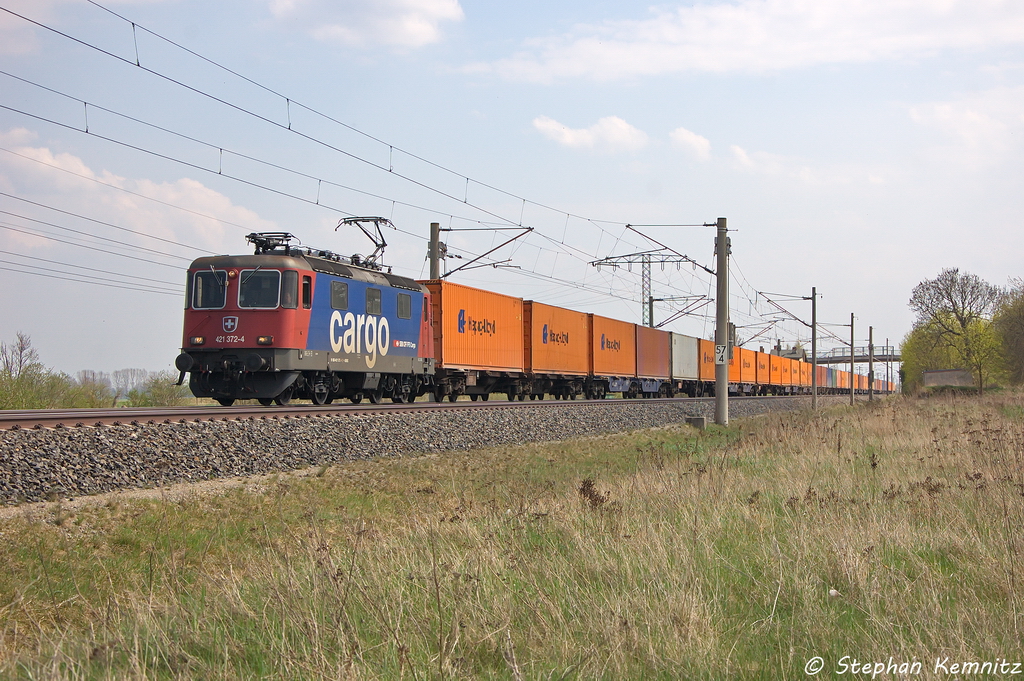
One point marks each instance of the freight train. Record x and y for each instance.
(291, 322)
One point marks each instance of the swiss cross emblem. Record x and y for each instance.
(230, 324)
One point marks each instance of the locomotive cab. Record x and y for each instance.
(290, 321)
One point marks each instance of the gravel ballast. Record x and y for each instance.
(39, 465)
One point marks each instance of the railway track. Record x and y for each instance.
(84, 418)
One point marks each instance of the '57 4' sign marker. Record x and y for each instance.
(720, 354)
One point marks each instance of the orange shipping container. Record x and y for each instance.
(707, 359)
(734, 366)
(785, 371)
(556, 340)
(613, 347)
(748, 365)
(805, 373)
(775, 367)
(476, 329)
(653, 353)
(764, 376)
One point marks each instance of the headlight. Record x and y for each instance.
(197, 340)
(265, 340)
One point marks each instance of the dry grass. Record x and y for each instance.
(665, 553)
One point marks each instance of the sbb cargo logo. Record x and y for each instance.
(352, 333)
(556, 337)
(609, 344)
(476, 327)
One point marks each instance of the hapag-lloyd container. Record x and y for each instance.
(476, 329)
(653, 353)
(748, 365)
(707, 359)
(763, 373)
(556, 340)
(613, 347)
(775, 369)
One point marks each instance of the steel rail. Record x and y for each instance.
(82, 418)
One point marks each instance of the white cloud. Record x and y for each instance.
(695, 144)
(762, 35)
(984, 124)
(35, 173)
(803, 172)
(741, 155)
(608, 134)
(397, 23)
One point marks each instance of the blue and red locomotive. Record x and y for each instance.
(290, 321)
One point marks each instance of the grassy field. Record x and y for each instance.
(885, 530)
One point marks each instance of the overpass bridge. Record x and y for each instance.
(861, 355)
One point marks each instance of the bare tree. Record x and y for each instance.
(127, 380)
(959, 307)
(19, 357)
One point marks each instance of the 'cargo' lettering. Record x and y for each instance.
(350, 332)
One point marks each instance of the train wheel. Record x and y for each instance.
(226, 401)
(453, 397)
(266, 401)
(356, 399)
(474, 398)
(319, 398)
(284, 398)
(572, 396)
(485, 397)
(522, 396)
(375, 396)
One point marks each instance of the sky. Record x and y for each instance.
(858, 147)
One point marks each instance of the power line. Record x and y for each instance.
(44, 235)
(87, 281)
(290, 128)
(215, 147)
(126, 191)
(289, 102)
(91, 235)
(101, 222)
(83, 267)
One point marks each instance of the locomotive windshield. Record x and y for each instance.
(208, 291)
(259, 288)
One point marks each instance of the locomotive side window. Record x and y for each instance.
(307, 292)
(208, 291)
(339, 295)
(373, 301)
(404, 306)
(290, 289)
(259, 288)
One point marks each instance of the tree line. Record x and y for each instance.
(26, 383)
(964, 322)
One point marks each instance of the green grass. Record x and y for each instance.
(659, 554)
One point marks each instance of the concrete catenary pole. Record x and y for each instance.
(435, 250)
(871, 363)
(814, 347)
(853, 377)
(722, 248)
